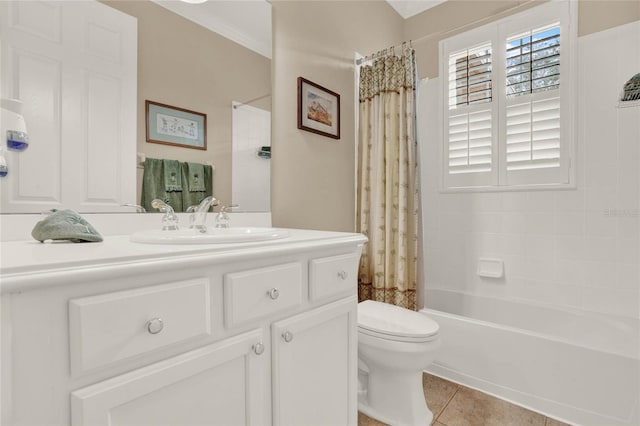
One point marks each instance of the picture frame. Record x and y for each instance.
(170, 125)
(318, 109)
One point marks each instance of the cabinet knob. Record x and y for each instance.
(287, 336)
(274, 293)
(258, 348)
(155, 325)
(343, 275)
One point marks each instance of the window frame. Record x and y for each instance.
(498, 32)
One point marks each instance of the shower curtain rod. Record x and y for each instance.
(239, 104)
(383, 52)
(442, 34)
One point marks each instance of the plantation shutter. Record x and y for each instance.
(508, 101)
(470, 129)
(532, 114)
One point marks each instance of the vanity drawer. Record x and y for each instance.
(256, 293)
(110, 327)
(332, 276)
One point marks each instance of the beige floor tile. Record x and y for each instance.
(438, 392)
(368, 421)
(553, 422)
(473, 408)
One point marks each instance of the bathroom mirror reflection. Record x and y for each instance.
(213, 58)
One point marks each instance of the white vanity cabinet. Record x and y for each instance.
(219, 384)
(314, 365)
(264, 334)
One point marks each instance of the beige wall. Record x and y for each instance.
(456, 16)
(594, 16)
(312, 176)
(183, 64)
(312, 179)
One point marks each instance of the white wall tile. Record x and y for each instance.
(601, 249)
(601, 223)
(570, 272)
(628, 250)
(628, 276)
(569, 223)
(539, 246)
(569, 247)
(601, 274)
(541, 223)
(577, 248)
(570, 200)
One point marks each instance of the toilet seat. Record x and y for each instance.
(390, 322)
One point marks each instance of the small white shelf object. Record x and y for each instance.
(490, 268)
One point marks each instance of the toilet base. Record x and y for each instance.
(413, 414)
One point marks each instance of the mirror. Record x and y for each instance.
(183, 64)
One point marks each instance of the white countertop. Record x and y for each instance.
(30, 262)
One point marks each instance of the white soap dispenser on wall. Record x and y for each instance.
(13, 126)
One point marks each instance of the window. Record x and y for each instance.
(508, 101)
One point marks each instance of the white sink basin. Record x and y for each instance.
(212, 236)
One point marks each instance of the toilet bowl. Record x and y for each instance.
(395, 345)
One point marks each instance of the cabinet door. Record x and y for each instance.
(315, 366)
(219, 384)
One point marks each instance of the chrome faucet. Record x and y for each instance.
(139, 208)
(198, 218)
(170, 220)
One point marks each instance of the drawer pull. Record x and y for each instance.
(287, 336)
(258, 348)
(155, 325)
(343, 275)
(274, 293)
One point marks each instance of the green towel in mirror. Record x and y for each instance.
(191, 197)
(172, 175)
(153, 186)
(195, 177)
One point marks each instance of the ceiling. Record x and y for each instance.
(409, 8)
(248, 22)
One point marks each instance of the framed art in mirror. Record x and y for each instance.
(318, 109)
(170, 125)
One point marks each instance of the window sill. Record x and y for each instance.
(511, 188)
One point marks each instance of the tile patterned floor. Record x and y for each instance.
(456, 405)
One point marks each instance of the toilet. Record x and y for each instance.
(395, 345)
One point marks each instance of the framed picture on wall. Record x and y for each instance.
(318, 109)
(169, 125)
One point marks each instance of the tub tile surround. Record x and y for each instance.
(456, 405)
(572, 260)
(577, 248)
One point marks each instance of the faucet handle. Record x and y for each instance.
(222, 218)
(170, 220)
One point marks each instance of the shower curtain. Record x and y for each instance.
(387, 211)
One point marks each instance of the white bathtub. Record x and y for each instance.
(578, 367)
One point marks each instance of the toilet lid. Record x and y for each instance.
(386, 319)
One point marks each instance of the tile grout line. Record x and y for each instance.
(437, 419)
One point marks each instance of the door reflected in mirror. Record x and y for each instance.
(179, 62)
